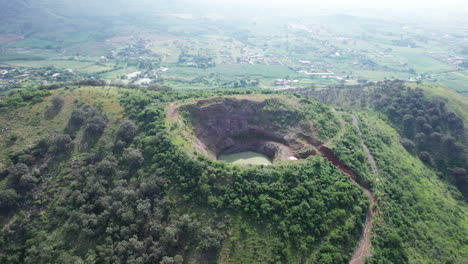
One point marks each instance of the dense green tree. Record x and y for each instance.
(127, 131)
(132, 157)
(8, 198)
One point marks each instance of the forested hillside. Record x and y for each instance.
(93, 174)
(430, 120)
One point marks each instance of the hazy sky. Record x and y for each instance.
(351, 3)
(458, 6)
(443, 7)
(434, 11)
(430, 10)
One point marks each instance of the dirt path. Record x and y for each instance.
(369, 155)
(363, 249)
(172, 113)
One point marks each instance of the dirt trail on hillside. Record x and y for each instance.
(369, 155)
(363, 249)
(172, 113)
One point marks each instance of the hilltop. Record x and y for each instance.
(113, 174)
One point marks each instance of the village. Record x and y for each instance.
(296, 55)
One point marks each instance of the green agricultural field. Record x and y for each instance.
(381, 75)
(457, 81)
(83, 66)
(33, 43)
(265, 71)
(421, 62)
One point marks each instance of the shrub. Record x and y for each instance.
(77, 118)
(132, 157)
(8, 198)
(56, 107)
(408, 144)
(460, 176)
(27, 182)
(210, 239)
(12, 138)
(426, 157)
(95, 127)
(59, 143)
(16, 172)
(107, 167)
(127, 131)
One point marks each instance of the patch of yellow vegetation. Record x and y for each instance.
(29, 124)
(107, 96)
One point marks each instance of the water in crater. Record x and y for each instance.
(246, 158)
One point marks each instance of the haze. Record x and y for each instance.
(420, 8)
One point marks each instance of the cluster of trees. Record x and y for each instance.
(428, 128)
(55, 107)
(29, 166)
(93, 122)
(83, 82)
(20, 98)
(114, 201)
(349, 150)
(110, 202)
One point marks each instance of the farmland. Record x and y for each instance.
(259, 52)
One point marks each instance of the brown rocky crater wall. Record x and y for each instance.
(228, 125)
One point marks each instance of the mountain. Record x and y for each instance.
(113, 174)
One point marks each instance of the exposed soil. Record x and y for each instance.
(327, 153)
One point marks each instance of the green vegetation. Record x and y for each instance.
(135, 165)
(170, 205)
(123, 124)
(430, 120)
(417, 209)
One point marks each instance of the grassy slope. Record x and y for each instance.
(413, 202)
(29, 122)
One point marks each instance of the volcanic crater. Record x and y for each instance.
(272, 126)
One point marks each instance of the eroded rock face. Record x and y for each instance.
(227, 126)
